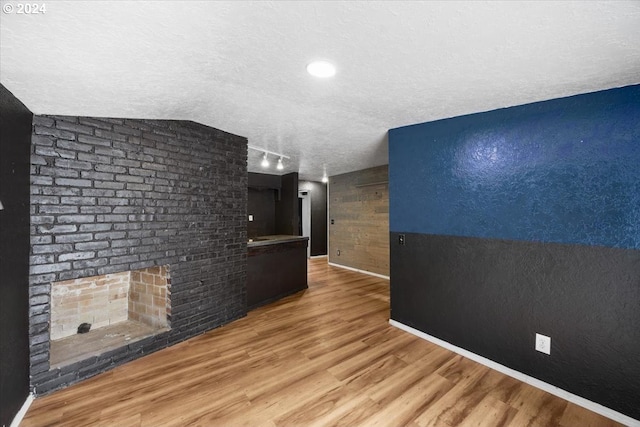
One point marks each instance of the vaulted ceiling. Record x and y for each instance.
(240, 66)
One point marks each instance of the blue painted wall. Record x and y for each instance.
(563, 171)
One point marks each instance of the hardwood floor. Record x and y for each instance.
(326, 356)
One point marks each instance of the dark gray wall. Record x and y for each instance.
(318, 192)
(285, 202)
(287, 206)
(15, 140)
(113, 195)
(262, 205)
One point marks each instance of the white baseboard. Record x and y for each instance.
(359, 271)
(317, 256)
(580, 401)
(23, 411)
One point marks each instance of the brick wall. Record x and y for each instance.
(97, 300)
(149, 296)
(112, 195)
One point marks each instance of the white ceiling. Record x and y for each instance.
(240, 66)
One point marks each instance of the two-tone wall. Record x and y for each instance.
(526, 220)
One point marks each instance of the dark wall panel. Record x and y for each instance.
(262, 205)
(492, 296)
(15, 141)
(287, 206)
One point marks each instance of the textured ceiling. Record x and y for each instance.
(240, 66)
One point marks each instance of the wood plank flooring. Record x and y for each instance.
(325, 356)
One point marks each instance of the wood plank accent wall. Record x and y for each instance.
(359, 209)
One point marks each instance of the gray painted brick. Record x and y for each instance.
(110, 135)
(92, 140)
(107, 201)
(95, 123)
(94, 158)
(37, 160)
(95, 209)
(51, 171)
(41, 219)
(57, 229)
(48, 249)
(73, 182)
(79, 265)
(43, 121)
(101, 192)
(55, 152)
(111, 252)
(42, 140)
(127, 163)
(72, 164)
(58, 209)
(41, 259)
(75, 146)
(110, 185)
(78, 200)
(111, 235)
(76, 219)
(109, 151)
(57, 133)
(127, 130)
(39, 290)
(181, 175)
(41, 180)
(76, 256)
(73, 127)
(96, 175)
(111, 169)
(139, 187)
(77, 273)
(73, 238)
(55, 190)
(49, 268)
(111, 218)
(40, 240)
(93, 245)
(94, 227)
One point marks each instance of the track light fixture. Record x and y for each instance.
(265, 160)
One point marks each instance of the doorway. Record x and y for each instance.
(304, 216)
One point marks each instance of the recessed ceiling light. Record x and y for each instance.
(322, 69)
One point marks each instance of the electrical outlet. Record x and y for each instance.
(401, 239)
(543, 344)
(250, 217)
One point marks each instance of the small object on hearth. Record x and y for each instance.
(84, 328)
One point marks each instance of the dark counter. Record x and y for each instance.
(276, 267)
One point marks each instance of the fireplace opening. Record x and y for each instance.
(120, 307)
